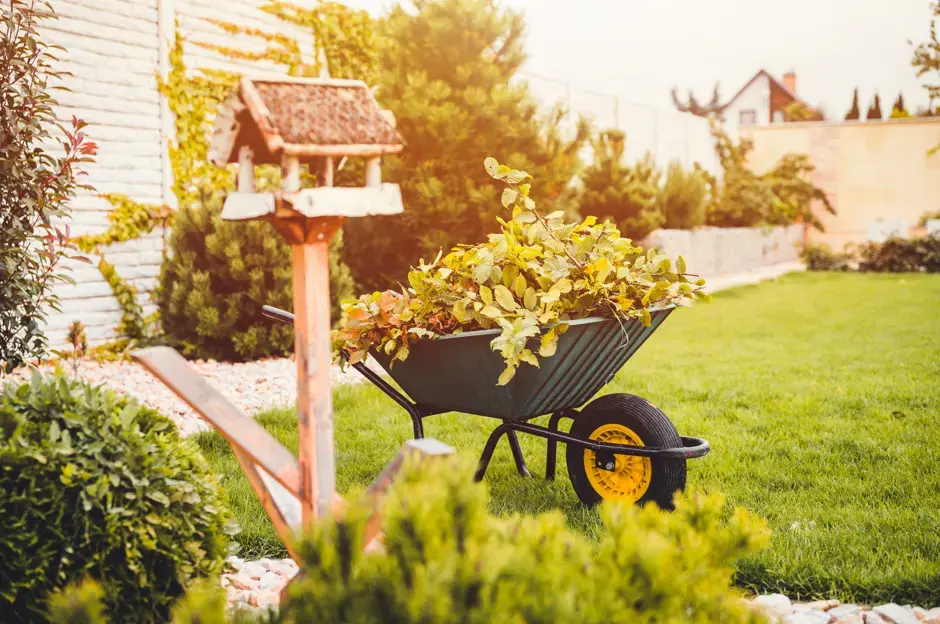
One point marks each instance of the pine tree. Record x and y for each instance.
(898, 111)
(854, 112)
(446, 72)
(874, 111)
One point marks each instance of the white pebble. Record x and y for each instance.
(896, 614)
(774, 605)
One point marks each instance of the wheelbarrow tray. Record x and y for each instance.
(459, 372)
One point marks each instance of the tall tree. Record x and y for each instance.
(446, 71)
(713, 108)
(927, 58)
(854, 112)
(874, 111)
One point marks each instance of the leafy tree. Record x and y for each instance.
(682, 198)
(36, 182)
(854, 112)
(781, 196)
(874, 111)
(898, 111)
(626, 195)
(799, 111)
(446, 70)
(713, 107)
(927, 57)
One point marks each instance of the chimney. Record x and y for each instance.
(789, 80)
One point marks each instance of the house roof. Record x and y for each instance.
(770, 77)
(305, 117)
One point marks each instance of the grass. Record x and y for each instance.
(820, 395)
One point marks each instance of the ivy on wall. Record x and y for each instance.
(345, 46)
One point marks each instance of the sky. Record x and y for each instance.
(640, 49)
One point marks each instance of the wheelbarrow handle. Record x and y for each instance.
(286, 317)
(278, 314)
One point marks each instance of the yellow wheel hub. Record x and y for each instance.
(631, 476)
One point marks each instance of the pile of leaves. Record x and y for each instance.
(527, 280)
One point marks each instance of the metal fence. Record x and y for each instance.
(665, 133)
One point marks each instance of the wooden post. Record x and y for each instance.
(246, 170)
(374, 172)
(326, 174)
(314, 368)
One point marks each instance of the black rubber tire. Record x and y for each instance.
(652, 426)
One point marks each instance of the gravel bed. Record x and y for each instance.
(252, 386)
(780, 609)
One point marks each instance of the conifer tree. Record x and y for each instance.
(854, 112)
(446, 70)
(874, 111)
(898, 111)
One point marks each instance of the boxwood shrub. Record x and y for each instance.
(96, 485)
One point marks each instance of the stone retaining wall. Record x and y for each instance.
(719, 251)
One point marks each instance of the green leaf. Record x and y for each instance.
(486, 295)
(159, 497)
(491, 165)
(680, 265)
(509, 197)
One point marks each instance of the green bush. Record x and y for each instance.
(100, 486)
(822, 258)
(898, 255)
(895, 255)
(217, 276)
(625, 195)
(682, 198)
(445, 559)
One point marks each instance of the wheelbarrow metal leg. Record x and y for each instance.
(551, 449)
(517, 453)
(488, 449)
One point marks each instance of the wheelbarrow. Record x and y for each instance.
(619, 446)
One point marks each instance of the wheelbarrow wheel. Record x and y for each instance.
(625, 419)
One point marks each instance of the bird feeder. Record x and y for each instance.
(291, 123)
(317, 123)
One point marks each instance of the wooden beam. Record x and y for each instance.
(242, 432)
(326, 172)
(374, 172)
(290, 173)
(364, 151)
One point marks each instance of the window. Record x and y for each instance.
(748, 117)
(778, 117)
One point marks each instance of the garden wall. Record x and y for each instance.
(710, 252)
(114, 51)
(869, 169)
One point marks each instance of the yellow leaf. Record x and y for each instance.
(530, 299)
(505, 298)
(491, 312)
(680, 265)
(506, 376)
(519, 286)
(486, 295)
(563, 285)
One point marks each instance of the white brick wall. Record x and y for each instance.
(112, 51)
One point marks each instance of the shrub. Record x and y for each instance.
(822, 258)
(35, 184)
(898, 255)
(217, 276)
(454, 105)
(100, 486)
(624, 194)
(528, 280)
(682, 198)
(445, 558)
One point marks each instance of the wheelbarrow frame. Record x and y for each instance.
(691, 447)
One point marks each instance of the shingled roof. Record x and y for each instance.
(305, 117)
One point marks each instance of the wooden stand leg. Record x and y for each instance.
(314, 368)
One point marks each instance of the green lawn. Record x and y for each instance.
(820, 395)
